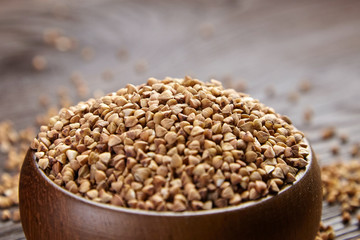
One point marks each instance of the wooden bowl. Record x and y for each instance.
(50, 212)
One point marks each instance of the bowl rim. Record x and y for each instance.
(252, 203)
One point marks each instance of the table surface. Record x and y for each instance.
(269, 45)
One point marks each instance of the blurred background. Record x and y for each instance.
(300, 57)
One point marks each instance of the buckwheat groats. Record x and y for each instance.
(171, 145)
(341, 185)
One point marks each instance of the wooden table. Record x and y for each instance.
(267, 44)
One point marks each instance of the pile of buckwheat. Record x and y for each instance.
(171, 145)
(14, 144)
(341, 184)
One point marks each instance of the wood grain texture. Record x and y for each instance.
(274, 43)
(49, 212)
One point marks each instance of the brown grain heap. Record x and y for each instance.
(171, 145)
(341, 185)
(14, 145)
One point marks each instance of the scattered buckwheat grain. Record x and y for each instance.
(79, 82)
(305, 86)
(335, 150)
(355, 150)
(325, 233)
(44, 100)
(39, 63)
(327, 133)
(50, 35)
(241, 85)
(293, 96)
(87, 53)
(270, 91)
(5, 215)
(14, 144)
(64, 44)
(344, 138)
(206, 31)
(141, 66)
(122, 54)
(341, 185)
(308, 115)
(107, 75)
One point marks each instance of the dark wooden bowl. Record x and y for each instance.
(50, 212)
